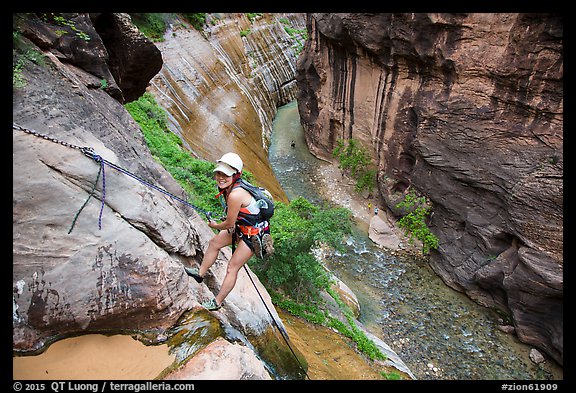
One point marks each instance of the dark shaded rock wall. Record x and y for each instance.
(467, 109)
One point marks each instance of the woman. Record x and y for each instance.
(241, 209)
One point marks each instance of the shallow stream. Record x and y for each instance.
(438, 333)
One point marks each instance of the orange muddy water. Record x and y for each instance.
(94, 357)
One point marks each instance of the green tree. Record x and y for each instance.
(355, 159)
(297, 229)
(414, 221)
(152, 25)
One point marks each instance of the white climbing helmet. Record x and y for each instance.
(229, 163)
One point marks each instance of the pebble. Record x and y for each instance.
(536, 356)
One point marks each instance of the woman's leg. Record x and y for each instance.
(239, 258)
(222, 239)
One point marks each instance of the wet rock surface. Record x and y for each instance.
(467, 109)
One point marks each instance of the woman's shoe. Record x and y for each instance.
(211, 305)
(194, 272)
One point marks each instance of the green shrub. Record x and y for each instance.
(197, 20)
(355, 159)
(23, 53)
(391, 376)
(152, 25)
(59, 20)
(414, 221)
(296, 229)
(300, 35)
(194, 176)
(253, 15)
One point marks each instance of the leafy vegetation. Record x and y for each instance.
(292, 275)
(152, 25)
(391, 376)
(60, 20)
(197, 20)
(300, 35)
(355, 159)
(414, 222)
(298, 228)
(22, 53)
(365, 345)
(314, 314)
(195, 176)
(253, 15)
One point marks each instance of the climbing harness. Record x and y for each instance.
(89, 152)
(252, 226)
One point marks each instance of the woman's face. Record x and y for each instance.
(222, 179)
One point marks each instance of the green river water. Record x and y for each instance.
(439, 333)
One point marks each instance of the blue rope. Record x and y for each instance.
(99, 159)
(86, 201)
(89, 152)
(102, 162)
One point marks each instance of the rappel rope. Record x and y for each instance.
(283, 333)
(89, 152)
